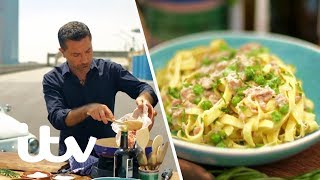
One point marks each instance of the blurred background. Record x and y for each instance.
(28, 32)
(167, 19)
(29, 48)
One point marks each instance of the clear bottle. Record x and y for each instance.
(123, 160)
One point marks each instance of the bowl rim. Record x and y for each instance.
(247, 151)
(229, 34)
(203, 148)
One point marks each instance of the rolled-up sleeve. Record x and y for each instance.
(57, 111)
(129, 84)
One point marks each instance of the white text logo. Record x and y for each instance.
(73, 148)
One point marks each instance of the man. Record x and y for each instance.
(80, 93)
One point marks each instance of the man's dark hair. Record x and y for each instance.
(74, 31)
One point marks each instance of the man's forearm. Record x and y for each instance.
(146, 96)
(75, 116)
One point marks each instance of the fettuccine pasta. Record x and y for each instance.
(232, 98)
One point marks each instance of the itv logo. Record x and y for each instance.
(73, 148)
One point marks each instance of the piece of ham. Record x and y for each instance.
(176, 102)
(176, 112)
(214, 98)
(234, 81)
(188, 104)
(221, 65)
(248, 47)
(186, 92)
(205, 69)
(206, 83)
(280, 100)
(244, 61)
(260, 93)
(263, 105)
(196, 130)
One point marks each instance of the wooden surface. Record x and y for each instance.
(10, 160)
(301, 163)
(77, 177)
(174, 176)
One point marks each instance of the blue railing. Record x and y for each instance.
(140, 67)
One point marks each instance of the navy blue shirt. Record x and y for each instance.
(63, 92)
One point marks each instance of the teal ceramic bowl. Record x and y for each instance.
(303, 55)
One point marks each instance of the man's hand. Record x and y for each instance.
(100, 112)
(146, 99)
(97, 111)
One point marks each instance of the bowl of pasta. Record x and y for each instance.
(240, 98)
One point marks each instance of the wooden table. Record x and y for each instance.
(77, 177)
(175, 176)
(11, 160)
(301, 163)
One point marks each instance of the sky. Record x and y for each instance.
(110, 23)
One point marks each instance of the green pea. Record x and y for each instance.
(186, 84)
(205, 105)
(240, 90)
(197, 89)
(249, 72)
(225, 110)
(269, 76)
(222, 134)
(216, 84)
(183, 134)
(221, 144)
(206, 62)
(215, 138)
(174, 132)
(284, 109)
(259, 80)
(235, 100)
(197, 100)
(276, 116)
(174, 92)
